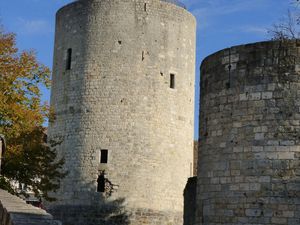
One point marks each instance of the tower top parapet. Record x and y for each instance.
(175, 2)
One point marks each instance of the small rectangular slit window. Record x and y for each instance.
(69, 59)
(172, 80)
(104, 156)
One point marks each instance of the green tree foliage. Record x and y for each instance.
(28, 160)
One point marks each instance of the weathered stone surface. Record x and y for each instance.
(249, 174)
(113, 214)
(117, 96)
(195, 156)
(15, 211)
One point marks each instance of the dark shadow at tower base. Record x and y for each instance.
(110, 213)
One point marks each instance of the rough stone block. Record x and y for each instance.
(255, 96)
(253, 212)
(275, 220)
(267, 95)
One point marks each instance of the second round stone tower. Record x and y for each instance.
(123, 97)
(248, 172)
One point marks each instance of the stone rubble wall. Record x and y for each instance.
(15, 211)
(110, 214)
(249, 155)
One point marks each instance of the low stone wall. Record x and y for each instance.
(113, 213)
(15, 211)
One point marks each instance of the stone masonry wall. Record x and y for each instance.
(195, 156)
(114, 214)
(249, 159)
(117, 96)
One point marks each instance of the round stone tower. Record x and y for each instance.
(123, 97)
(248, 172)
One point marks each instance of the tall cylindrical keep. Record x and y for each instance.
(248, 171)
(123, 96)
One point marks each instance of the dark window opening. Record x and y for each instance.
(120, 42)
(69, 59)
(205, 131)
(229, 67)
(145, 7)
(227, 85)
(101, 183)
(172, 81)
(104, 156)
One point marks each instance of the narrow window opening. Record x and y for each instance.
(228, 84)
(205, 131)
(145, 7)
(229, 67)
(202, 218)
(101, 183)
(143, 57)
(172, 80)
(69, 59)
(104, 156)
